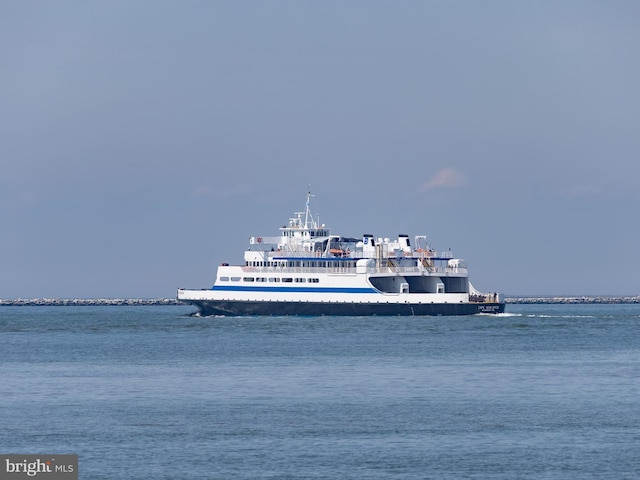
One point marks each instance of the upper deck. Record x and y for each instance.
(305, 242)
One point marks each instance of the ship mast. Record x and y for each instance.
(308, 218)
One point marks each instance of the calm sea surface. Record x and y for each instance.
(542, 392)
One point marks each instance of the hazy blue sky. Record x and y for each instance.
(143, 142)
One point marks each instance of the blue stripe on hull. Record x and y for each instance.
(239, 308)
(231, 288)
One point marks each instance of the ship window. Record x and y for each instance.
(224, 279)
(314, 280)
(272, 279)
(301, 280)
(248, 279)
(235, 279)
(261, 279)
(287, 279)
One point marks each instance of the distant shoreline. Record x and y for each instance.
(605, 299)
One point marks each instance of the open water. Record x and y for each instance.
(541, 392)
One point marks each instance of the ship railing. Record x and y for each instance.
(429, 254)
(284, 252)
(485, 297)
(420, 269)
(357, 254)
(353, 270)
(338, 269)
(264, 240)
(432, 269)
(419, 254)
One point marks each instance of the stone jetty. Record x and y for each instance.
(577, 300)
(172, 301)
(88, 301)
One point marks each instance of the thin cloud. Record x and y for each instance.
(204, 191)
(15, 199)
(445, 178)
(582, 191)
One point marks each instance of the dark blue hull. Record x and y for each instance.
(238, 308)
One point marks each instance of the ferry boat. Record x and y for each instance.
(307, 270)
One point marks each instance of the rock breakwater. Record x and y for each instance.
(172, 301)
(88, 301)
(564, 300)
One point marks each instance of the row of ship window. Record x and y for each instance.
(270, 279)
(305, 264)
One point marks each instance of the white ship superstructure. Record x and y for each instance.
(306, 270)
